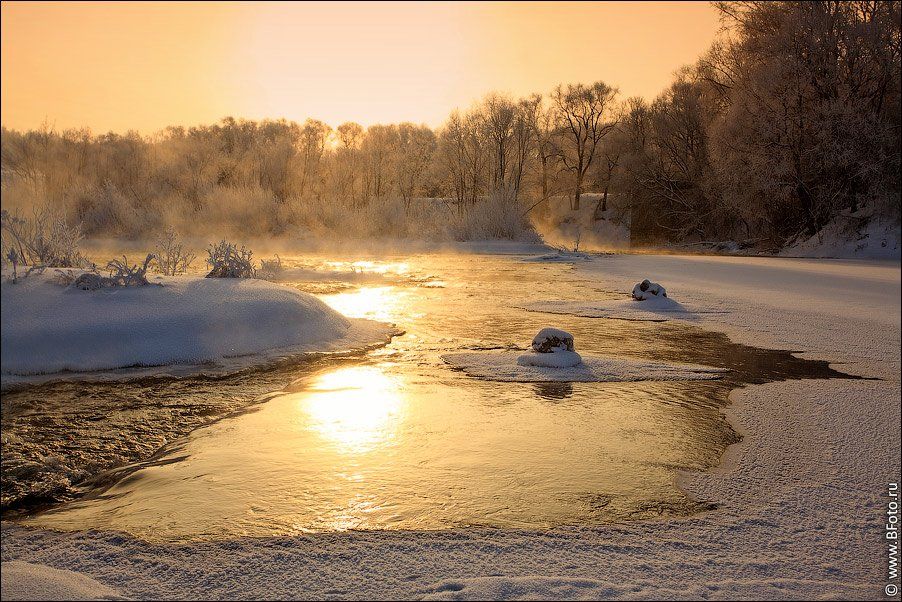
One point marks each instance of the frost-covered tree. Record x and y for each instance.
(585, 115)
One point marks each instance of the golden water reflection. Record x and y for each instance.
(383, 303)
(357, 409)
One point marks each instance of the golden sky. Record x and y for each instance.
(144, 66)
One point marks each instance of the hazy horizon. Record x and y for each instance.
(73, 65)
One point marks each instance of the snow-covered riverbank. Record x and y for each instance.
(801, 501)
(188, 323)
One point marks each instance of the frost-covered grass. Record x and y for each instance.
(49, 328)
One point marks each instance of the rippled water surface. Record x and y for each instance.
(396, 439)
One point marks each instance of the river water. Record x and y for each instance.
(393, 438)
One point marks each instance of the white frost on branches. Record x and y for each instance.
(227, 260)
(170, 256)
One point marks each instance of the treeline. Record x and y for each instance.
(791, 119)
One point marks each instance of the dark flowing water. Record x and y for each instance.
(392, 439)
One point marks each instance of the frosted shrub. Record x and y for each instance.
(171, 259)
(121, 274)
(124, 275)
(270, 268)
(44, 240)
(13, 257)
(226, 260)
(499, 216)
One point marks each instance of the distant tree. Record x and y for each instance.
(584, 115)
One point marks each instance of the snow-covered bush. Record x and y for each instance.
(499, 216)
(171, 258)
(226, 260)
(43, 240)
(13, 257)
(121, 274)
(124, 275)
(270, 268)
(647, 290)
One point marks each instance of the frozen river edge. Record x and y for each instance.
(801, 501)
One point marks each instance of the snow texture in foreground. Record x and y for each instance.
(48, 328)
(25, 581)
(506, 366)
(653, 309)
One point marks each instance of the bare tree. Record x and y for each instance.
(584, 115)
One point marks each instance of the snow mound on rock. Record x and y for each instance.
(648, 290)
(552, 339)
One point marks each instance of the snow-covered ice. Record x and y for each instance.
(507, 366)
(188, 321)
(653, 309)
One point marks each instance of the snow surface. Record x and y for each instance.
(25, 581)
(229, 322)
(653, 309)
(801, 502)
(559, 257)
(559, 358)
(506, 366)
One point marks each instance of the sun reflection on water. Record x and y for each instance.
(358, 409)
(381, 267)
(374, 302)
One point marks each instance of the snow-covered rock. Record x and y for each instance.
(551, 348)
(549, 340)
(648, 290)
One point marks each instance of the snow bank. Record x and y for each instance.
(25, 581)
(230, 323)
(850, 236)
(506, 366)
(559, 257)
